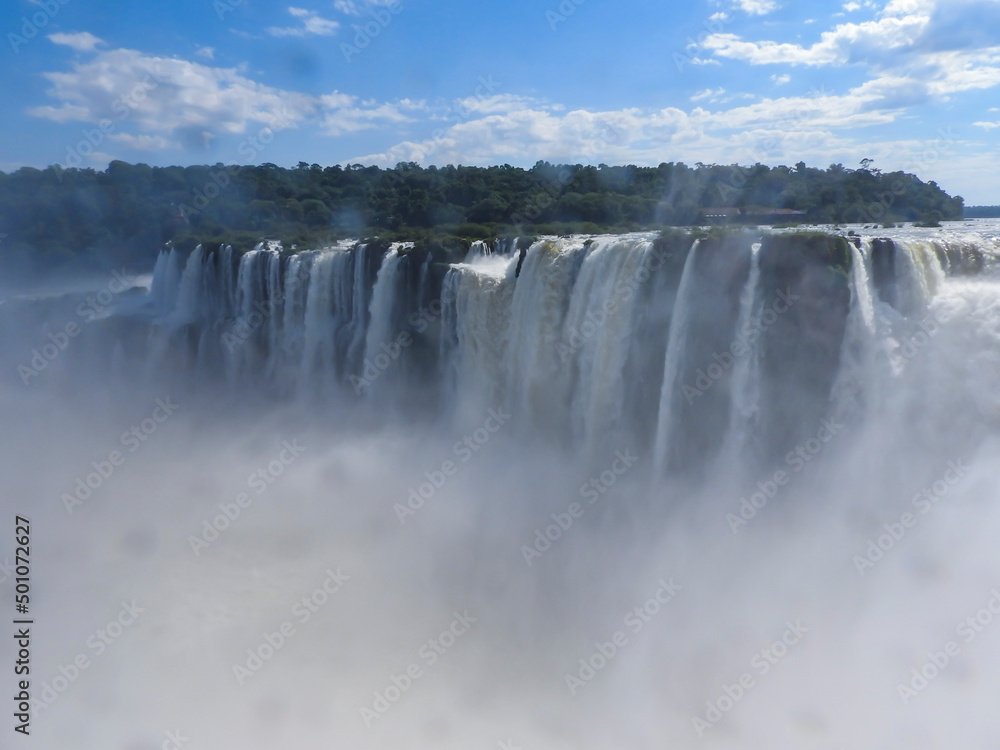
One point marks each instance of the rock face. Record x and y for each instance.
(701, 402)
(884, 270)
(805, 282)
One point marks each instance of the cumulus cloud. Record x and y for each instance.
(530, 129)
(780, 80)
(163, 95)
(357, 7)
(144, 142)
(345, 114)
(903, 32)
(157, 102)
(756, 7)
(708, 94)
(312, 24)
(917, 49)
(850, 42)
(82, 41)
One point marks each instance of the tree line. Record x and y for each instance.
(82, 217)
(982, 212)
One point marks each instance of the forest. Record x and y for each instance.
(982, 212)
(82, 218)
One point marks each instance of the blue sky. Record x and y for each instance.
(913, 84)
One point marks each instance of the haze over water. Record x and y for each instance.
(613, 490)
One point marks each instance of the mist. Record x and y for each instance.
(583, 492)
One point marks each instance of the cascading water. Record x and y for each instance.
(676, 345)
(550, 335)
(508, 480)
(863, 341)
(745, 389)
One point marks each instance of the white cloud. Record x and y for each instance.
(792, 127)
(353, 8)
(756, 7)
(312, 25)
(344, 114)
(206, 53)
(144, 142)
(915, 49)
(986, 125)
(82, 41)
(167, 95)
(901, 24)
(712, 94)
(157, 103)
(488, 105)
(780, 80)
(849, 42)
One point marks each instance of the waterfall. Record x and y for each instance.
(794, 432)
(676, 342)
(921, 274)
(560, 333)
(323, 318)
(187, 306)
(166, 282)
(383, 328)
(865, 332)
(477, 302)
(535, 374)
(597, 336)
(745, 388)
